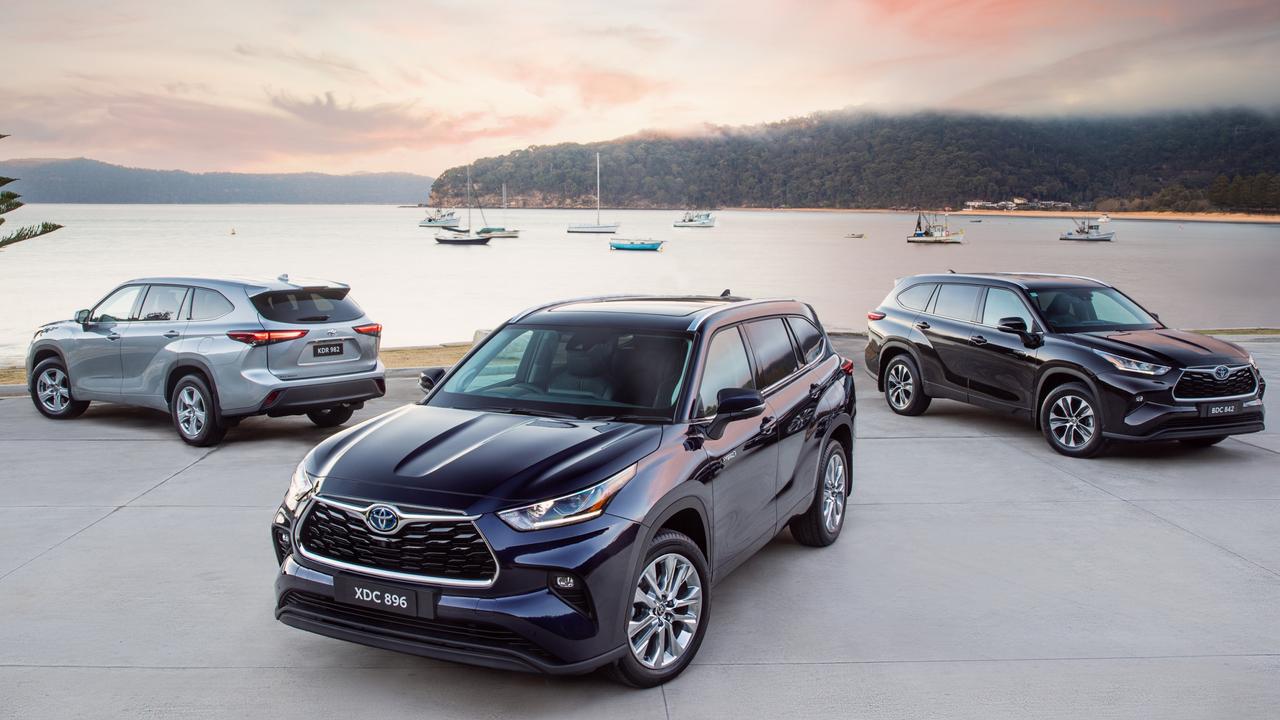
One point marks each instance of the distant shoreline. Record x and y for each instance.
(1226, 217)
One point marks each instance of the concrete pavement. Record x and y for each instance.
(980, 575)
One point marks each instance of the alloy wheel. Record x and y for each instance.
(665, 611)
(1071, 421)
(191, 412)
(53, 391)
(833, 493)
(899, 386)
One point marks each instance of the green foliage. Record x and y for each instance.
(8, 203)
(843, 160)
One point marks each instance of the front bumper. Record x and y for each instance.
(1161, 416)
(518, 623)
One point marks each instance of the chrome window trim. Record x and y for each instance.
(442, 516)
(1209, 370)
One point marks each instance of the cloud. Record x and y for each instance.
(596, 87)
(326, 63)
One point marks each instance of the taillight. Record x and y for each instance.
(374, 329)
(875, 315)
(264, 337)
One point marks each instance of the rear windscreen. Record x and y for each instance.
(303, 306)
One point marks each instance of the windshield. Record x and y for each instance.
(574, 372)
(1079, 309)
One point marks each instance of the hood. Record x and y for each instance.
(1177, 348)
(474, 460)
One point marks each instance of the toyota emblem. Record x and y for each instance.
(1221, 372)
(382, 518)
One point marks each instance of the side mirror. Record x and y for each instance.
(734, 404)
(430, 378)
(1018, 326)
(82, 316)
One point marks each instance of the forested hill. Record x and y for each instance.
(89, 181)
(845, 160)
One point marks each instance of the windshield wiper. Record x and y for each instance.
(529, 411)
(627, 418)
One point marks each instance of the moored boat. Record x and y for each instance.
(651, 245)
(597, 226)
(854, 235)
(440, 218)
(1089, 230)
(698, 219)
(497, 232)
(929, 230)
(462, 238)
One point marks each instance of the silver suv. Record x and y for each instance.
(212, 351)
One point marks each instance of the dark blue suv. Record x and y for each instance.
(566, 496)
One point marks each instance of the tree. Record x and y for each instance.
(8, 203)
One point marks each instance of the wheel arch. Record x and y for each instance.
(890, 349)
(1056, 376)
(191, 366)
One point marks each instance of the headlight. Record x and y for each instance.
(301, 486)
(1131, 365)
(568, 509)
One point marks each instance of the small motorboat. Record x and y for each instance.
(594, 228)
(978, 220)
(440, 218)
(854, 235)
(497, 232)
(1089, 230)
(651, 245)
(696, 219)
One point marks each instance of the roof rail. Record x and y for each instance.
(701, 318)
(622, 296)
(1061, 275)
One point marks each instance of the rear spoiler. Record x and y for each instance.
(285, 284)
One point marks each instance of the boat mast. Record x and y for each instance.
(597, 188)
(468, 197)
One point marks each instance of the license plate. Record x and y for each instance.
(381, 596)
(326, 349)
(1220, 409)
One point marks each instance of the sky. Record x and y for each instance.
(392, 85)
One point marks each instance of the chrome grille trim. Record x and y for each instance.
(392, 574)
(1208, 370)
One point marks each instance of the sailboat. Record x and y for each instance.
(457, 236)
(498, 231)
(598, 227)
(930, 230)
(1089, 230)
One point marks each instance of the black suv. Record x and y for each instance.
(1074, 354)
(564, 498)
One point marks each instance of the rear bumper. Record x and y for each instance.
(298, 400)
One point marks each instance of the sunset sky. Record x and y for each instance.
(421, 86)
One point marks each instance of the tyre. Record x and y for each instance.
(820, 525)
(668, 617)
(903, 386)
(50, 388)
(330, 417)
(1203, 442)
(195, 413)
(1070, 421)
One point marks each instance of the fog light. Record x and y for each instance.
(1138, 399)
(565, 582)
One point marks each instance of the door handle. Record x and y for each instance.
(922, 325)
(173, 334)
(768, 424)
(114, 336)
(978, 340)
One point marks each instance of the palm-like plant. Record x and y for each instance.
(8, 203)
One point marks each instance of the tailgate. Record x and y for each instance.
(332, 344)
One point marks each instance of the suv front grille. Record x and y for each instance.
(451, 550)
(1200, 384)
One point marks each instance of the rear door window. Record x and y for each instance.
(162, 303)
(957, 301)
(775, 355)
(304, 306)
(808, 337)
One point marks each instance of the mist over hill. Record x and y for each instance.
(81, 180)
(853, 160)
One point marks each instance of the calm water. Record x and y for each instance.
(1193, 274)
